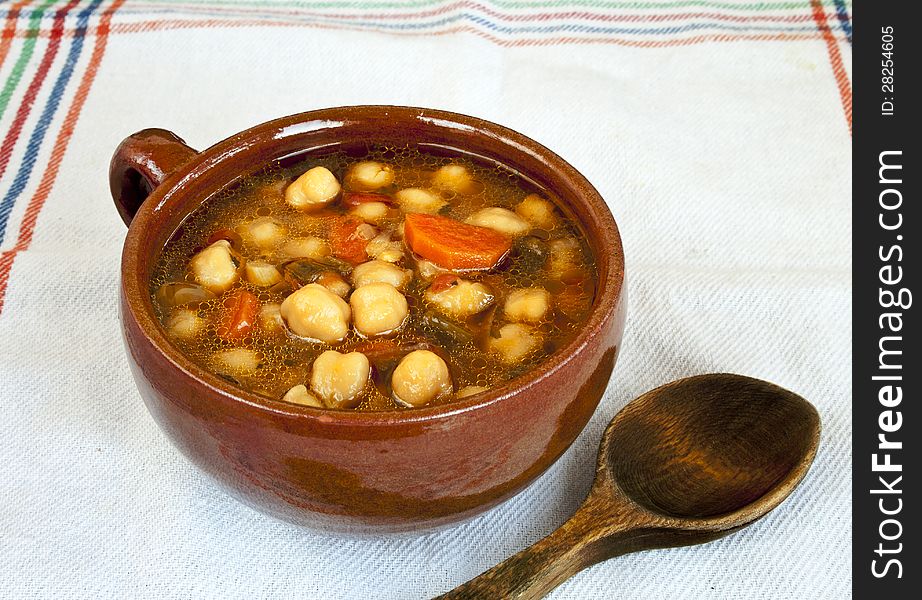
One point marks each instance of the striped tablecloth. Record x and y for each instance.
(719, 132)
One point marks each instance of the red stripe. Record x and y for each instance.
(25, 107)
(835, 59)
(148, 26)
(27, 227)
(486, 10)
(9, 30)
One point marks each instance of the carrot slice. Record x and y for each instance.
(238, 315)
(346, 241)
(454, 245)
(351, 199)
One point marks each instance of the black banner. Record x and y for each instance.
(887, 370)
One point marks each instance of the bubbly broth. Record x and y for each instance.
(542, 288)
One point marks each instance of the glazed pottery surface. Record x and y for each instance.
(358, 472)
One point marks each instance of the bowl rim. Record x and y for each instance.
(135, 292)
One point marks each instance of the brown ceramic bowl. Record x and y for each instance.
(359, 472)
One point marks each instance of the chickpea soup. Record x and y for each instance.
(391, 280)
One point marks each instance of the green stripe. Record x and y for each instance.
(752, 7)
(28, 48)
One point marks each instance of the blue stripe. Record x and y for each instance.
(41, 128)
(842, 13)
(507, 30)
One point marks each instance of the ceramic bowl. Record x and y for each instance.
(358, 472)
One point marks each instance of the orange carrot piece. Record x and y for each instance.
(454, 245)
(345, 240)
(238, 315)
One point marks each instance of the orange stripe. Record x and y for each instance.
(27, 227)
(9, 31)
(835, 59)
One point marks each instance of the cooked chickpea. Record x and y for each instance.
(383, 248)
(514, 343)
(369, 175)
(215, 267)
(184, 324)
(371, 212)
(299, 394)
(270, 318)
(528, 305)
(421, 377)
(236, 361)
(264, 232)
(455, 178)
(417, 200)
(262, 273)
(564, 255)
(462, 299)
(317, 313)
(314, 189)
(501, 220)
(537, 211)
(470, 390)
(378, 308)
(379, 271)
(334, 282)
(340, 379)
(306, 247)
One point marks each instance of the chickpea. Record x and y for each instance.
(501, 220)
(454, 178)
(537, 211)
(215, 267)
(462, 299)
(299, 394)
(378, 308)
(262, 273)
(369, 175)
(306, 247)
(379, 271)
(184, 324)
(564, 255)
(265, 232)
(421, 377)
(382, 248)
(417, 200)
(528, 305)
(340, 379)
(371, 212)
(514, 343)
(314, 189)
(315, 312)
(236, 361)
(270, 318)
(470, 390)
(334, 282)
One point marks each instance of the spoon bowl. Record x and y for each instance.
(710, 445)
(686, 463)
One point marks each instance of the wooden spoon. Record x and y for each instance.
(686, 463)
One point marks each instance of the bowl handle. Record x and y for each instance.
(141, 163)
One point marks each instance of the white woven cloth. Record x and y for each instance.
(725, 163)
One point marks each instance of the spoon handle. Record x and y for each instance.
(591, 535)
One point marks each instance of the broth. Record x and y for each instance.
(488, 323)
